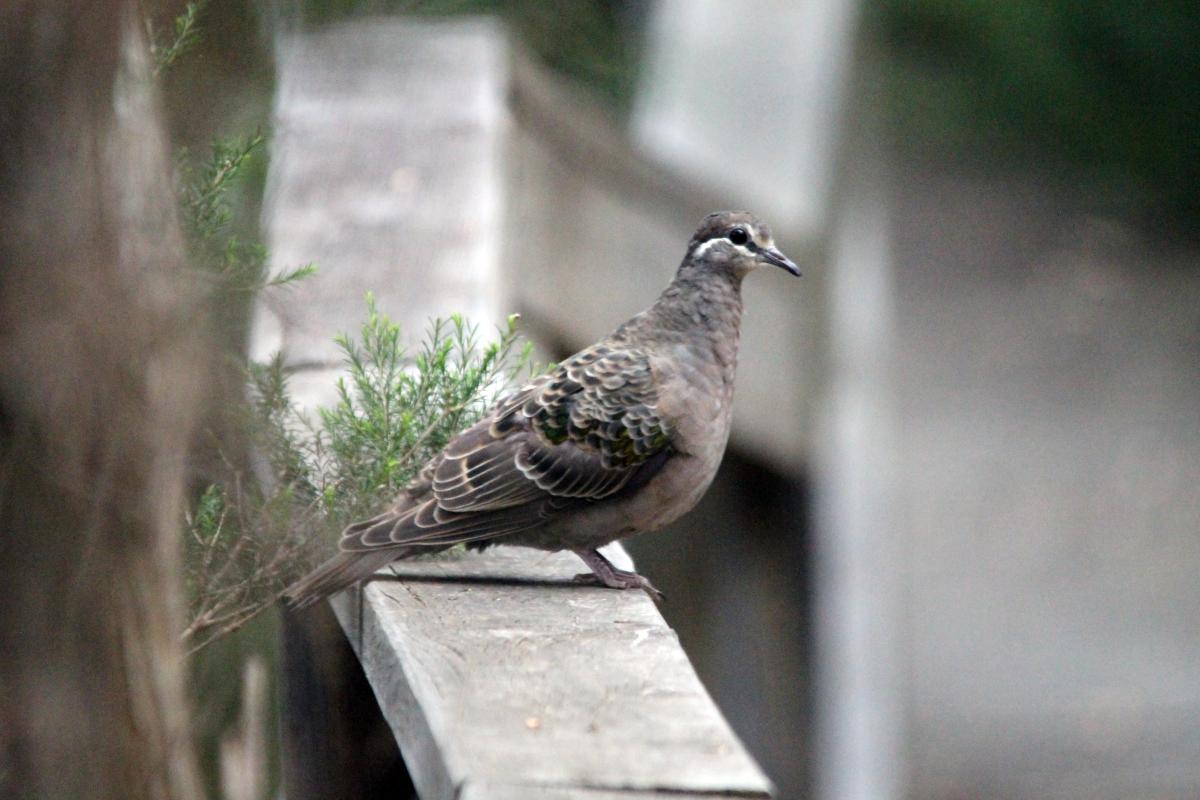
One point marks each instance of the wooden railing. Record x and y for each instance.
(501, 678)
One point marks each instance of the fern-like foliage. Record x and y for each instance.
(395, 411)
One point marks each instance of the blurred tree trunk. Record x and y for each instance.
(101, 370)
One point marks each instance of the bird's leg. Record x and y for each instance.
(605, 574)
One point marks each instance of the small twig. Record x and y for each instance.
(251, 612)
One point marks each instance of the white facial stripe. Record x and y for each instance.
(706, 246)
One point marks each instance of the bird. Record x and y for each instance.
(621, 438)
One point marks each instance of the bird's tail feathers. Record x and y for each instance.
(372, 544)
(339, 572)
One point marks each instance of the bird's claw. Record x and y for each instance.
(621, 579)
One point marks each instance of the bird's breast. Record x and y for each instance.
(696, 400)
(696, 395)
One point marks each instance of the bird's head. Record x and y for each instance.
(736, 241)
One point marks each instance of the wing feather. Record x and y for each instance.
(579, 434)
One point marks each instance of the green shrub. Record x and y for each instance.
(250, 536)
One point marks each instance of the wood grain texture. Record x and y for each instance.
(500, 676)
(385, 173)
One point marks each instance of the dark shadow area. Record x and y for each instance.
(336, 742)
(487, 580)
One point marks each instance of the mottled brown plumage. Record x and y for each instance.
(622, 437)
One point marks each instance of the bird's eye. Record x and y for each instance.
(739, 236)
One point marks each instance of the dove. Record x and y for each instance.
(621, 438)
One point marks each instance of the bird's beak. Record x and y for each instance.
(778, 259)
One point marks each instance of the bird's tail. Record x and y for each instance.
(399, 533)
(344, 569)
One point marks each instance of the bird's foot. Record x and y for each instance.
(605, 574)
(621, 579)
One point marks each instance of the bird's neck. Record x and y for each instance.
(700, 309)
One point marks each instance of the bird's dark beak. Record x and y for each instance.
(778, 259)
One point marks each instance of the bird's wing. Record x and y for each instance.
(580, 433)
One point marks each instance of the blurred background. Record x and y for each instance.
(953, 550)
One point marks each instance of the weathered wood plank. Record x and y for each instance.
(384, 172)
(496, 671)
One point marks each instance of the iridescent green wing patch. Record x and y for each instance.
(582, 431)
(603, 401)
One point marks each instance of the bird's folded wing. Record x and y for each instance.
(581, 433)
